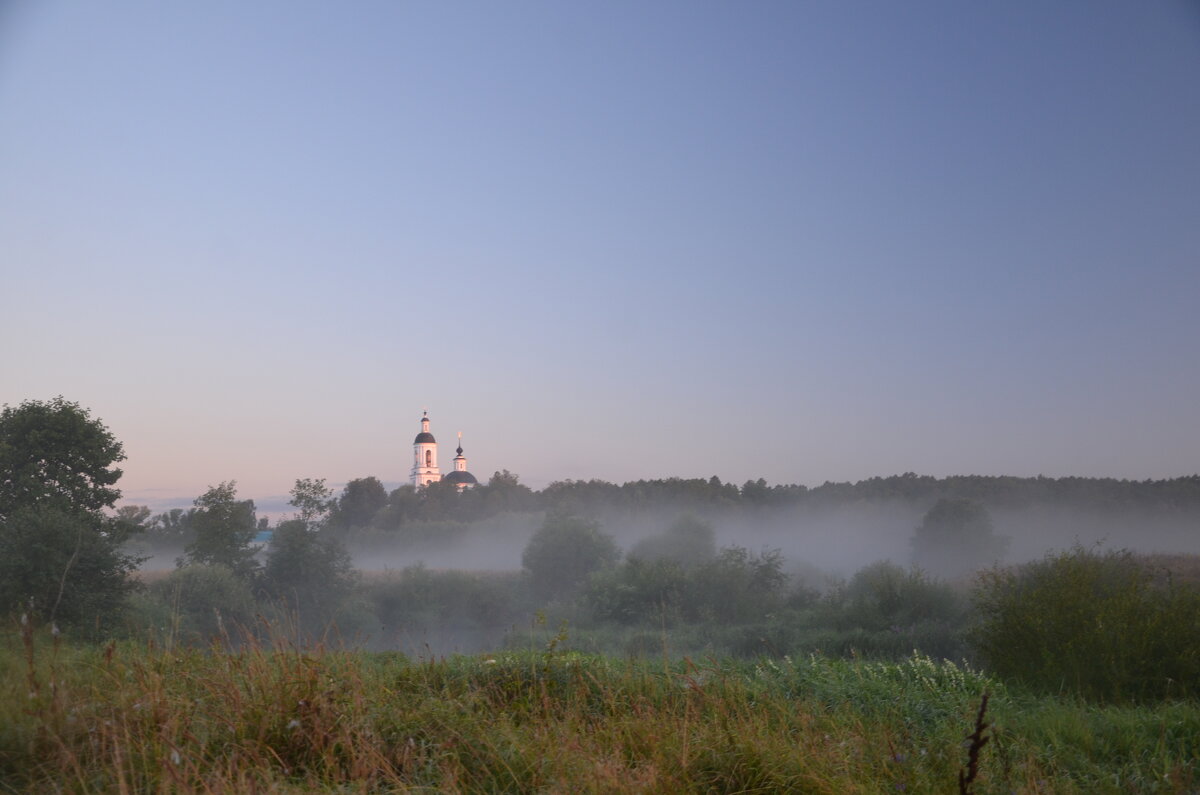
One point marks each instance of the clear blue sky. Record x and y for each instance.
(804, 241)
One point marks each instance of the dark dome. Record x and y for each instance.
(424, 437)
(460, 477)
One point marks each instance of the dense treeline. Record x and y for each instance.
(365, 509)
(503, 492)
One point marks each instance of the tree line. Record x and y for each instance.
(66, 559)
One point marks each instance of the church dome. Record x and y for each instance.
(424, 437)
(460, 477)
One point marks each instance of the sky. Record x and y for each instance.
(801, 241)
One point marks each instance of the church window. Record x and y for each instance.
(428, 458)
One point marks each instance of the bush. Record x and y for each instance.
(206, 601)
(418, 597)
(308, 574)
(1090, 623)
(883, 596)
(736, 586)
(638, 591)
(62, 567)
(689, 541)
(564, 552)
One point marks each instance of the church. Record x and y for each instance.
(425, 463)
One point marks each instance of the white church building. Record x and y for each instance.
(425, 461)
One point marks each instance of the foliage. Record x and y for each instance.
(885, 595)
(1090, 623)
(564, 552)
(688, 541)
(956, 536)
(132, 520)
(736, 585)
(504, 493)
(61, 558)
(639, 591)
(224, 528)
(172, 528)
(205, 602)
(313, 500)
(308, 573)
(733, 586)
(361, 500)
(54, 453)
(279, 719)
(63, 566)
(455, 609)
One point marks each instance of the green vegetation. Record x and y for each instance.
(140, 718)
(564, 552)
(220, 676)
(62, 559)
(223, 529)
(1091, 623)
(956, 536)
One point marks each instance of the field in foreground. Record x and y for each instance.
(140, 718)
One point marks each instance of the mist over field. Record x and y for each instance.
(838, 540)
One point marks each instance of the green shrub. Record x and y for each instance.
(564, 552)
(736, 586)
(884, 595)
(205, 601)
(308, 574)
(637, 592)
(688, 541)
(1090, 623)
(420, 599)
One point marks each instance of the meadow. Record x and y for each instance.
(263, 715)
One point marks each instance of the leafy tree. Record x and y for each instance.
(564, 552)
(172, 528)
(361, 500)
(736, 586)
(61, 558)
(956, 536)
(689, 541)
(884, 595)
(313, 500)
(639, 591)
(505, 492)
(53, 453)
(224, 529)
(310, 573)
(64, 566)
(133, 518)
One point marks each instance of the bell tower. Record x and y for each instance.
(425, 466)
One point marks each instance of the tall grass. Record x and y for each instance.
(272, 717)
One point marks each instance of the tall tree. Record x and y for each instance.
(224, 528)
(313, 501)
(564, 552)
(956, 536)
(61, 558)
(361, 499)
(310, 572)
(53, 453)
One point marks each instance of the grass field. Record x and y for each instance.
(135, 717)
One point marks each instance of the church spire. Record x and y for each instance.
(425, 467)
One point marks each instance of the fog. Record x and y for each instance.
(691, 567)
(837, 540)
